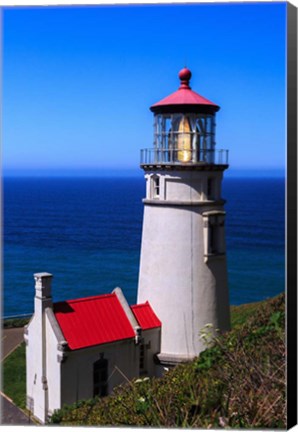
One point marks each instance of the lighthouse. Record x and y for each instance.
(183, 268)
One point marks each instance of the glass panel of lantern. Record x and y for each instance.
(157, 128)
(185, 138)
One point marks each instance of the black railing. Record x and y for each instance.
(154, 156)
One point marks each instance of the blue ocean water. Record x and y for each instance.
(87, 233)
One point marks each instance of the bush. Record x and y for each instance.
(15, 322)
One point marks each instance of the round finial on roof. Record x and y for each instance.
(185, 75)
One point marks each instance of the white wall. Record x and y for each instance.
(184, 186)
(53, 369)
(77, 370)
(151, 340)
(185, 290)
(33, 372)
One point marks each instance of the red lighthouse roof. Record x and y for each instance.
(184, 99)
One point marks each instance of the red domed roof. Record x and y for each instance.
(184, 99)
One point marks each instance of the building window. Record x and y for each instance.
(214, 240)
(100, 377)
(142, 357)
(156, 186)
(210, 188)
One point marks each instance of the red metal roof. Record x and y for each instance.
(92, 321)
(184, 98)
(145, 316)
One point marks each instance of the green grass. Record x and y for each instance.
(241, 313)
(14, 376)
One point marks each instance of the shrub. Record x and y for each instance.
(15, 322)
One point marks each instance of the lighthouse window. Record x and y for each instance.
(210, 188)
(156, 187)
(213, 239)
(100, 377)
(213, 234)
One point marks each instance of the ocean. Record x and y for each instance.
(87, 233)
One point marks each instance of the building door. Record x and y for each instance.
(100, 377)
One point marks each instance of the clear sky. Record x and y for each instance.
(78, 82)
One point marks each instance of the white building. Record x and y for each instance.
(81, 348)
(85, 347)
(183, 271)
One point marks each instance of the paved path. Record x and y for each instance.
(10, 413)
(11, 338)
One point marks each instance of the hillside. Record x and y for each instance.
(238, 382)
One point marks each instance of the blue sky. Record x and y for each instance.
(78, 82)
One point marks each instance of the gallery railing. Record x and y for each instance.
(151, 156)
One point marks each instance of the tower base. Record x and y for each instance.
(173, 359)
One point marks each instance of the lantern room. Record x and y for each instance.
(184, 129)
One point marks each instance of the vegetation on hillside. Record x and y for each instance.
(237, 382)
(15, 322)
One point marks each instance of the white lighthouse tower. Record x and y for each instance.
(183, 270)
